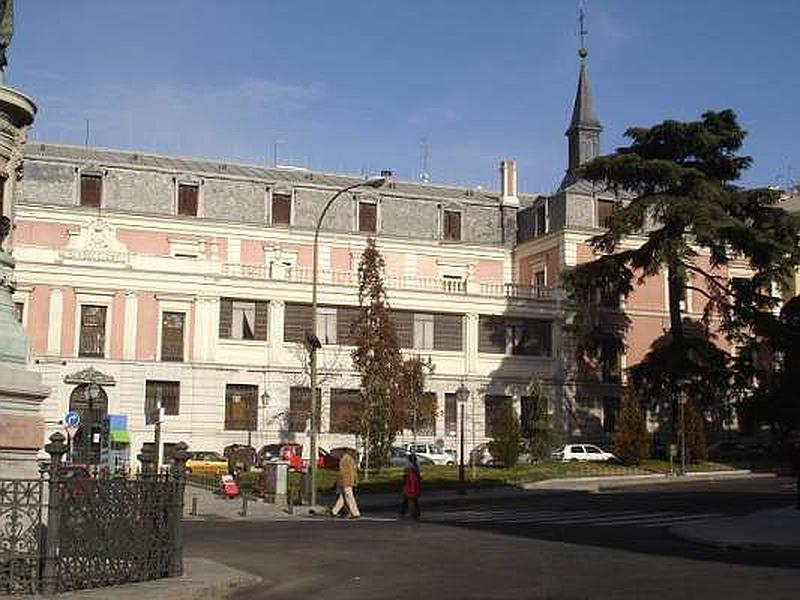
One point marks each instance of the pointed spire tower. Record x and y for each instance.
(584, 128)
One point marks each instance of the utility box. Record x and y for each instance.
(274, 483)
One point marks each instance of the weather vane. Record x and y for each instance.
(582, 51)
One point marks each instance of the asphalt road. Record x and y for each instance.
(560, 546)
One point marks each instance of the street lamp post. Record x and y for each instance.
(314, 343)
(462, 395)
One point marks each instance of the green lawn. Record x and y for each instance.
(436, 477)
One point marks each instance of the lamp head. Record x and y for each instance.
(375, 182)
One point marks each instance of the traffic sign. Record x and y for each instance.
(72, 419)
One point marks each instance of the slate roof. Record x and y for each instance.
(288, 175)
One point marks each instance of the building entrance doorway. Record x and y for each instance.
(90, 401)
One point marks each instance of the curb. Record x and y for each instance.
(730, 544)
(202, 579)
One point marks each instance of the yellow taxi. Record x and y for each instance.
(206, 463)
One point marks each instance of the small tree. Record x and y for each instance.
(418, 407)
(537, 429)
(696, 449)
(631, 442)
(377, 359)
(505, 446)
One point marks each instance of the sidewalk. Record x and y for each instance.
(211, 506)
(202, 578)
(773, 529)
(597, 484)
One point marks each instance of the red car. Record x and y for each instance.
(290, 452)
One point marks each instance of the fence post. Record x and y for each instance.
(56, 449)
(147, 458)
(179, 459)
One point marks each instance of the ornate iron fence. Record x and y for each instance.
(97, 532)
(20, 535)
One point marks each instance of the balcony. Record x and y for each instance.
(451, 286)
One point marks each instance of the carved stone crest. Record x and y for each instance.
(90, 375)
(97, 242)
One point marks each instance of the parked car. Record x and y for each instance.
(482, 455)
(240, 456)
(432, 452)
(289, 452)
(327, 460)
(398, 457)
(582, 452)
(206, 463)
(738, 449)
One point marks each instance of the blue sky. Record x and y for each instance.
(352, 85)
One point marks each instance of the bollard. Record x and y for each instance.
(244, 505)
(193, 511)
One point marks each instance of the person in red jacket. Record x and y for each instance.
(412, 487)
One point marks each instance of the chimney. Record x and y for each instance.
(508, 183)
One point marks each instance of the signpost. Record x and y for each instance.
(72, 421)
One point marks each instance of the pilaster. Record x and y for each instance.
(130, 327)
(471, 342)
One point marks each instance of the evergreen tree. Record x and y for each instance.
(537, 429)
(507, 438)
(676, 191)
(377, 359)
(631, 441)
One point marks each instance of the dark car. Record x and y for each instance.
(289, 452)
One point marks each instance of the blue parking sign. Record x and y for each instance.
(72, 419)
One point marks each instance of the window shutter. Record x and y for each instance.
(367, 217)
(404, 326)
(93, 331)
(605, 208)
(281, 209)
(187, 200)
(296, 322)
(448, 332)
(491, 335)
(241, 407)
(452, 225)
(225, 317)
(345, 320)
(91, 190)
(345, 411)
(262, 317)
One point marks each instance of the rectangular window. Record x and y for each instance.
(496, 409)
(243, 319)
(19, 309)
(426, 422)
(345, 411)
(605, 208)
(326, 325)
(450, 414)
(541, 220)
(187, 199)
(172, 324)
(281, 209)
(299, 408)
(91, 190)
(93, 331)
(538, 283)
(528, 337)
(610, 413)
(241, 407)
(452, 226)
(367, 217)
(423, 331)
(296, 322)
(166, 394)
(491, 334)
(448, 332)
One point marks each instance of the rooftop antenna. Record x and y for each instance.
(425, 176)
(86, 137)
(582, 51)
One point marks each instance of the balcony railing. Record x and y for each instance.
(452, 286)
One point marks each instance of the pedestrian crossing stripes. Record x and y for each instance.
(591, 517)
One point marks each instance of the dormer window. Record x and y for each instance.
(605, 208)
(367, 217)
(281, 208)
(451, 230)
(91, 190)
(187, 199)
